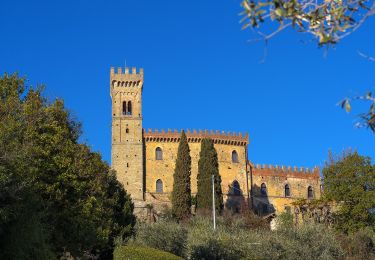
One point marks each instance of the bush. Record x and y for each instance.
(245, 220)
(359, 245)
(227, 242)
(233, 240)
(312, 241)
(164, 235)
(142, 253)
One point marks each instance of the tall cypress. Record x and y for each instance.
(181, 195)
(208, 165)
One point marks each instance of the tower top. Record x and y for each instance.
(124, 79)
(127, 71)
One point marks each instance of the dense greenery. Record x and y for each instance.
(181, 194)
(142, 253)
(233, 239)
(208, 165)
(55, 194)
(350, 182)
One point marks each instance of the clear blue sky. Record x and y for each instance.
(200, 72)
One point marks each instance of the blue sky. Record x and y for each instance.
(200, 72)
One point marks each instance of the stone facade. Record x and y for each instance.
(145, 160)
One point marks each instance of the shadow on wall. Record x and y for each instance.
(261, 204)
(236, 201)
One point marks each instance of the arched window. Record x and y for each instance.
(124, 108)
(236, 189)
(127, 130)
(310, 192)
(287, 190)
(129, 108)
(159, 154)
(234, 156)
(263, 189)
(159, 186)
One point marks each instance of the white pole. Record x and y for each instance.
(213, 201)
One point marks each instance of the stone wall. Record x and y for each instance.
(127, 134)
(168, 141)
(275, 178)
(134, 158)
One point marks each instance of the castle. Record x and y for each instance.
(144, 159)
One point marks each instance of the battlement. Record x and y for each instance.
(127, 71)
(220, 137)
(126, 78)
(284, 171)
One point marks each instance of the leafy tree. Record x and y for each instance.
(69, 195)
(328, 21)
(350, 182)
(181, 194)
(207, 166)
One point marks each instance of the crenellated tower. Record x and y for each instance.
(127, 140)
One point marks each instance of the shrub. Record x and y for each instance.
(227, 242)
(164, 235)
(245, 220)
(142, 253)
(359, 245)
(312, 241)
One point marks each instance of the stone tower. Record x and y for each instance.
(127, 140)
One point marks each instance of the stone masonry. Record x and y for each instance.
(145, 160)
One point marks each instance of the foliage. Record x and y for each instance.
(234, 240)
(164, 235)
(350, 182)
(327, 21)
(142, 253)
(207, 166)
(359, 245)
(285, 221)
(181, 194)
(68, 194)
(245, 220)
(366, 119)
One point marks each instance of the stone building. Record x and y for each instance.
(145, 159)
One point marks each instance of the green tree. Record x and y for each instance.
(207, 166)
(350, 182)
(181, 194)
(72, 199)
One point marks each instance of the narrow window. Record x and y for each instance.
(159, 186)
(158, 154)
(287, 190)
(124, 108)
(263, 189)
(234, 156)
(236, 189)
(310, 193)
(129, 108)
(127, 130)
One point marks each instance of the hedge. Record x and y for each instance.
(142, 253)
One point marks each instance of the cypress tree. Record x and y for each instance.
(181, 194)
(207, 166)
